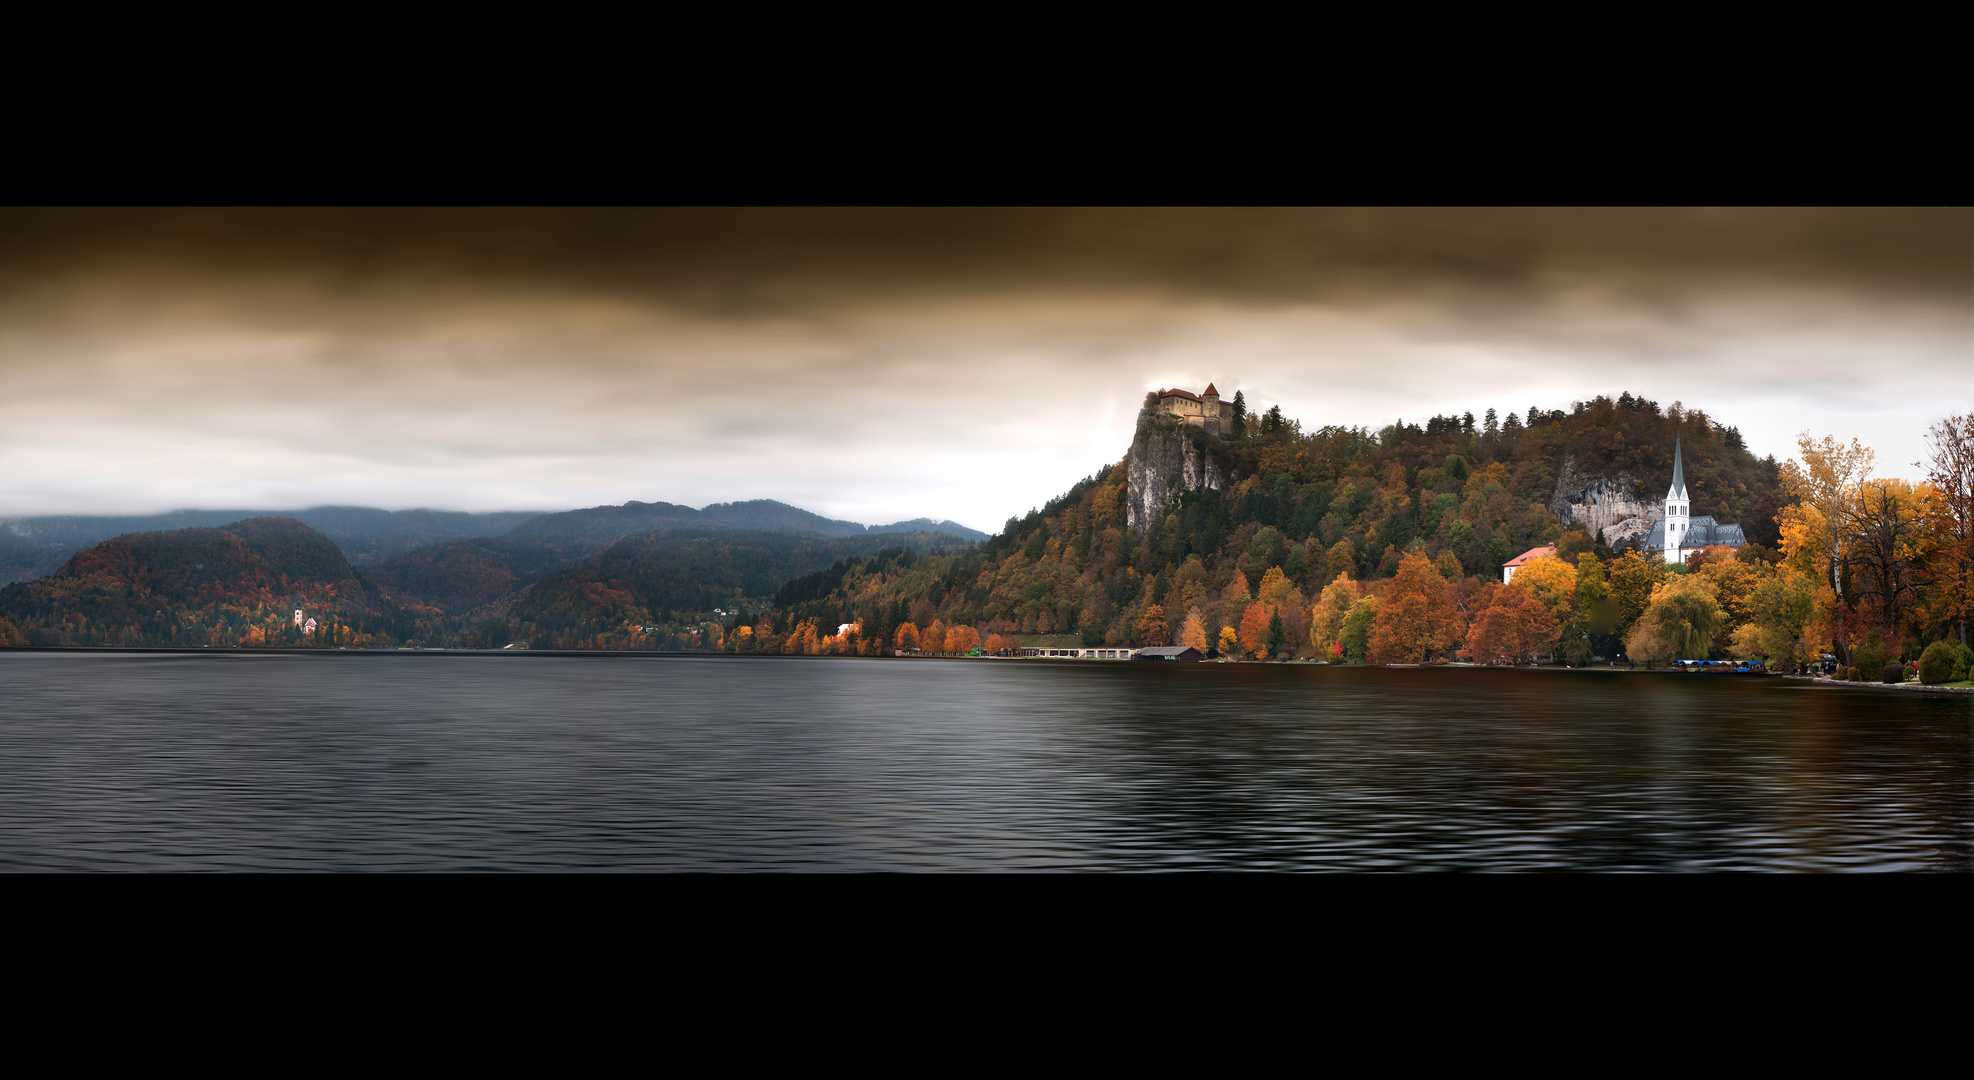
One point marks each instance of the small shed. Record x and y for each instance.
(1185, 654)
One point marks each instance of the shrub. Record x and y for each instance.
(1937, 663)
(1892, 673)
(1963, 665)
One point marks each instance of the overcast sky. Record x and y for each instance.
(879, 365)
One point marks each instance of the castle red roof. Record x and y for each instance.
(1178, 393)
(1210, 390)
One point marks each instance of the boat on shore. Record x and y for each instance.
(1720, 667)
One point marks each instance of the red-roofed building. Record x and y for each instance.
(1200, 410)
(1508, 568)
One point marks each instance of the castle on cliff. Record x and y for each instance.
(1199, 410)
(1678, 532)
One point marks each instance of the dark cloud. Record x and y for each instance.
(747, 259)
(887, 364)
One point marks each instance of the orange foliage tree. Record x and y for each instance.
(907, 639)
(1517, 626)
(1151, 626)
(962, 639)
(934, 638)
(997, 643)
(1415, 622)
(803, 641)
(1254, 630)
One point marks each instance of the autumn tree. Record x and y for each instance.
(1331, 611)
(933, 639)
(1342, 559)
(962, 639)
(1889, 542)
(1280, 594)
(1823, 483)
(907, 638)
(1596, 608)
(1679, 623)
(1193, 631)
(1356, 637)
(1779, 606)
(1552, 582)
(1230, 641)
(1950, 471)
(997, 644)
(1632, 580)
(1254, 631)
(1449, 567)
(1516, 627)
(1414, 621)
(1734, 581)
(1151, 626)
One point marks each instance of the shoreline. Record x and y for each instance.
(183, 650)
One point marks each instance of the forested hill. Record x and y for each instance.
(651, 591)
(588, 530)
(33, 546)
(1468, 493)
(238, 585)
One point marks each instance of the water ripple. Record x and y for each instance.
(362, 762)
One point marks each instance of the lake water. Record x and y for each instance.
(132, 761)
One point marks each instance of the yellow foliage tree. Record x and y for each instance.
(1825, 481)
(1552, 582)
(1631, 580)
(1332, 610)
(1230, 641)
(1193, 630)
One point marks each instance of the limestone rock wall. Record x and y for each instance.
(1164, 464)
(1609, 506)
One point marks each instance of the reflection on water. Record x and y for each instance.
(453, 762)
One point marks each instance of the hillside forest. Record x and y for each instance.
(1344, 544)
(1338, 545)
(240, 586)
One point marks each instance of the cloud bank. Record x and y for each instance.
(878, 365)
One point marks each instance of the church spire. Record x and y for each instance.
(1678, 472)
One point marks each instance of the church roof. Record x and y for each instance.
(1532, 553)
(1678, 472)
(1701, 532)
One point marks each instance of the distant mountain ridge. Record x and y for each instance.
(31, 547)
(205, 587)
(277, 582)
(606, 523)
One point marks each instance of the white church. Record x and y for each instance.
(1679, 532)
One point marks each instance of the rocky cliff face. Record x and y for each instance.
(1164, 464)
(1605, 505)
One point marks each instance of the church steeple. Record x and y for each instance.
(1678, 511)
(1678, 473)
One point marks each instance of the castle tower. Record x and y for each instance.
(1678, 509)
(1210, 409)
